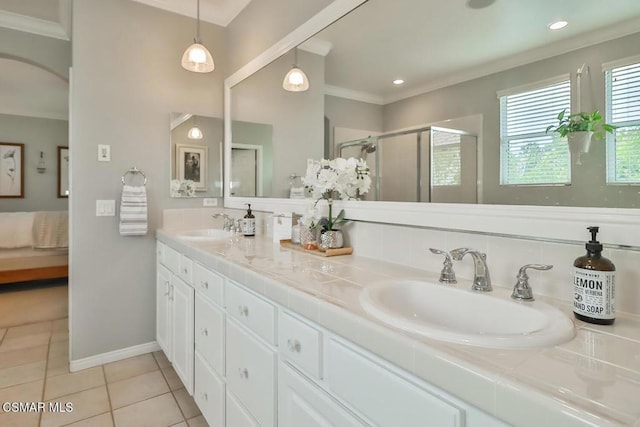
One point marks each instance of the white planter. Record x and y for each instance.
(579, 143)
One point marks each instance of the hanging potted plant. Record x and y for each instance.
(579, 129)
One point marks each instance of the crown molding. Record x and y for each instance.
(317, 46)
(354, 95)
(31, 25)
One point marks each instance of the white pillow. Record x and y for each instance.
(16, 229)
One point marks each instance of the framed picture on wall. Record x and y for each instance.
(63, 172)
(11, 170)
(191, 164)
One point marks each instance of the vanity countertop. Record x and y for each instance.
(593, 379)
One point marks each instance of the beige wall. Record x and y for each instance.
(126, 81)
(51, 54)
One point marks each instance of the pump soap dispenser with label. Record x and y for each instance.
(249, 223)
(594, 285)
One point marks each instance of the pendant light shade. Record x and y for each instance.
(195, 133)
(295, 80)
(197, 58)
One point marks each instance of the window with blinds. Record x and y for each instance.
(623, 110)
(446, 161)
(528, 155)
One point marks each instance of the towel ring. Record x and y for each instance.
(134, 171)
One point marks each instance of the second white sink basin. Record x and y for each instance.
(466, 317)
(205, 234)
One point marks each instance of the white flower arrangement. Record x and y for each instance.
(182, 188)
(347, 177)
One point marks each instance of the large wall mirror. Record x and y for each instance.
(196, 155)
(455, 60)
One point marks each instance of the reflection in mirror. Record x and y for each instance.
(63, 172)
(453, 80)
(196, 156)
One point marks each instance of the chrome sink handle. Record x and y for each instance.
(481, 277)
(447, 275)
(522, 291)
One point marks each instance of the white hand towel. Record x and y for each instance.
(133, 211)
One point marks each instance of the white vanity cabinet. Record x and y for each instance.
(174, 312)
(257, 363)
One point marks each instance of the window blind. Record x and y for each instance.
(446, 160)
(530, 156)
(623, 110)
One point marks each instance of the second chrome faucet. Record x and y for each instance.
(481, 277)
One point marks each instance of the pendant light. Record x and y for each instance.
(197, 58)
(195, 132)
(295, 80)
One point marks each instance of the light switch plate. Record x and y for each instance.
(105, 207)
(209, 201)
(104, 153)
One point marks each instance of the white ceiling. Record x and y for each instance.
(219, 12)
(435, 43)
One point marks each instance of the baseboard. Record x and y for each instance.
(113, 356)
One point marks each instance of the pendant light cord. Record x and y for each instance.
(198, 23)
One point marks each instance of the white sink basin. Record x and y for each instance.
(205, 234)
(466, 317)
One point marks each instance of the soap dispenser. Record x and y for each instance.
(594, 284)
(249, 223)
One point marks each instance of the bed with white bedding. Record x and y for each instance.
(33, 246)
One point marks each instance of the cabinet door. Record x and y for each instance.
(163, 309)
(182, 331)
(251, 373)
(209, 333)
(209, 392)
(300, 403)
(237, 416)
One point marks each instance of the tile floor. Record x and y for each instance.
(140, 391)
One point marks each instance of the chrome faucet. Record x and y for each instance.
(522, 291)
(447, 275)
(229, 223)
(481, 277)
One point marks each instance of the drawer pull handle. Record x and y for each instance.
(166, 284)
(294, 345)
(205, 332)
(204, 396)
(244, 310)
(205, 285)
(244, 373)
(185, 271)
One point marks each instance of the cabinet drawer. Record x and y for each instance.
(208, 283)
(300, 343)
(252, 311)
(209, 333)
(159, 252)
(251, 373)
(186, 269)
(209, 393)
(365, 383)
(171, 259)
(237, 416)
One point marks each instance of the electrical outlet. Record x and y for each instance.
(210, 202)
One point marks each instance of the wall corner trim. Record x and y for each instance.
(113, 356)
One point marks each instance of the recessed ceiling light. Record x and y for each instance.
(398, 81)
(557, 25)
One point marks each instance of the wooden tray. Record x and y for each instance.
(329, 252)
